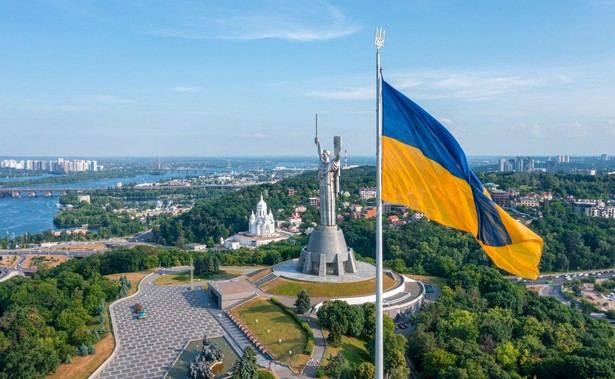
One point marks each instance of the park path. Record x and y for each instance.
(148, 347)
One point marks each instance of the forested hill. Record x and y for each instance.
(572, 241)
(222, 217)
(561, 185)
(483, 326)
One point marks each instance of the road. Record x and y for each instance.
(65, 249)
(554, 290)
(562, 278)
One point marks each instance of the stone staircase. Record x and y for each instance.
(264, 280)
(242, 341)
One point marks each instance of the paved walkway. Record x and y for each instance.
(148, 347)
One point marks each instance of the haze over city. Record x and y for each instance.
(191, 78)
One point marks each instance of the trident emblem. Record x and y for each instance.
(379, 39)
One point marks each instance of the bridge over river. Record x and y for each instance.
(50, 191)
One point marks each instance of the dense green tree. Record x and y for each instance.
(303, 302)
(520, 334)
(245, 368)
(336, 366)
(365, 370)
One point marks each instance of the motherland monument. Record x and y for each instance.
(326, 252)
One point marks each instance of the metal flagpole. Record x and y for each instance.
(379, 40)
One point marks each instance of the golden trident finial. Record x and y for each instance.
(379, 39)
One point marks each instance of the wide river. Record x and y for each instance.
(35, 214)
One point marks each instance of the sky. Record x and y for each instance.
(245, 78)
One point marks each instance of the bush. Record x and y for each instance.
(82, 350)
(309, 346)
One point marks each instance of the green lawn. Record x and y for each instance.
(352, 348)
(287, 287)
(270, 324)
(184, 277)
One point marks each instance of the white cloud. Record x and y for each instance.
(188, 89)
(445, 85)
(445, 121)
(533, 129)
(59, 107)
(227, 20)
(348, 94)
(469, 85)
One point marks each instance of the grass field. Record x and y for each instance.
(9, 261)
(33, 261)
(352, 348)
(82, 367)
(270, 324)
(287, 287)
(184, 277)
(81, 246)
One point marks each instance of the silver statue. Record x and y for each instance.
(329, 178)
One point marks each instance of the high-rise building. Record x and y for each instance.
(519, 164)
(551, 166)
(503, 165)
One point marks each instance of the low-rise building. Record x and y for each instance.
(367, 192)
(196, 247)
(501, 198)
(314, 201)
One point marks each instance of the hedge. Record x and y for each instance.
(309, 346)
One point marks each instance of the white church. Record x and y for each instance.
(261, 230)
(262, 223)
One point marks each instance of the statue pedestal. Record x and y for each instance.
(327, 253)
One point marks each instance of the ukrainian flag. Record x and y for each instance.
(424, 168)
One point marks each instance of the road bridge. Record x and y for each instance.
(49, 191)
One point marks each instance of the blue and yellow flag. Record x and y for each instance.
(424, 168)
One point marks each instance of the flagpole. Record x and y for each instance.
(379, 41)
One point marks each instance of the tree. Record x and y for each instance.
(245, 368)
(369, 320)
(336, 366)
(303, 302)
(436, 361)
(82, 350)
(365, 370)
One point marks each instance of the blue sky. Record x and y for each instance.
(239, 78)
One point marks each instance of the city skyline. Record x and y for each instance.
(230, 79)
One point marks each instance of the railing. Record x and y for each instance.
(248, 334)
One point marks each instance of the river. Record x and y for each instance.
(35, 214)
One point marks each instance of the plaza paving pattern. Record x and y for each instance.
(148, 347)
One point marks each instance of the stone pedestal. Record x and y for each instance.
(327, 253)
